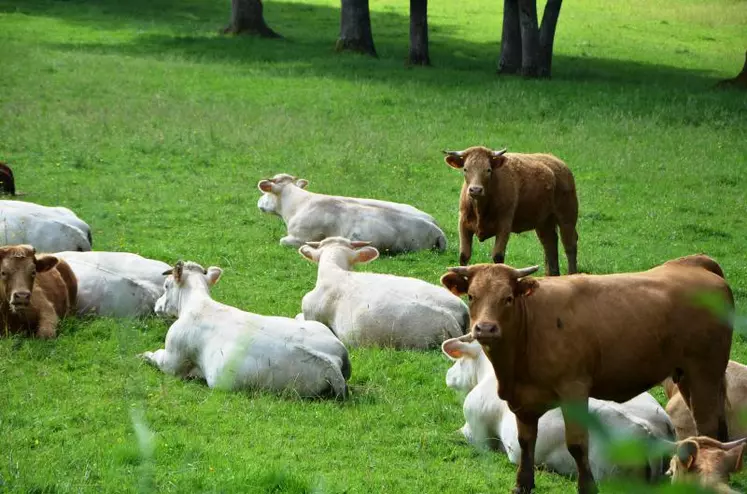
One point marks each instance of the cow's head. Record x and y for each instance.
(493, 290)
(181, 281)
(705, 461)
(478, 164)
(18, 269)
(345, 253)
(465, 353)
(272, 188)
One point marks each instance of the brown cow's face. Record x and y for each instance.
(478, 165)
(492, 291)
(18, 269)
(705, 460)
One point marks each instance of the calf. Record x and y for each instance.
(611, 337)
(35, 292)
(313, 217)
(736, 404)
(116, 284)
(491, 423)
(707, 462)
(233, 349)
(377, 309)
(513, 192)
(48, 229)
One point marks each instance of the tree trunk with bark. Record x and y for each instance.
(526, 47)
(355, 27)
(247, 18)
(419, 32)
(740, 81)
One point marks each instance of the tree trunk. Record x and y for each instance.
(510, 60)
(355, 27)
(529, 38)
(547, 36)
(247, 18)
(740, 81)
(419, 32)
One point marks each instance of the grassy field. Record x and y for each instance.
(156, 130)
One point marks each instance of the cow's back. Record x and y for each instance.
(58, 286)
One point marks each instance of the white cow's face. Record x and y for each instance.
(268, 203)
(464, 374)
(183, 280)
(272, 188)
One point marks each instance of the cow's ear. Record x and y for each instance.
(453, 348)
(265, 185)
(733, 458)
(365, 254)
(213, 274)
(302, 183)
(457, 283)
(497, 159)
(525, 287)
(178, 271)
(45, 263)
(687, 453)
(309, 253)
(454, 161)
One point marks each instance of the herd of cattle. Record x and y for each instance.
(522, 346)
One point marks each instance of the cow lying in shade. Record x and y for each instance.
(233, 349)
(313, 217)
(377, 309)
(35, 292)
(116, 284)
(736, 404)
(47, 229)
(491, 424)
(610, 337)
(706, 462)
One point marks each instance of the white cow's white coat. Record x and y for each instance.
(116, 284)
(233, 349)
(491, 424)
(378, 309)
(48, 229)
(389, 226)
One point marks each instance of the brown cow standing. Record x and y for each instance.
(513, 192)
(611, 337)
(35, 292)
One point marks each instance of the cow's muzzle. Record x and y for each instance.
(20, 300)
(476, 190)
(486, 330)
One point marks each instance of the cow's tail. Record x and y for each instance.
(334, 372)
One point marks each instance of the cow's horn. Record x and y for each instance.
(458, 154)
(314, 244)
(167, 272)
(520, 273)
(359, 243)
(496, 154)
(734, 444)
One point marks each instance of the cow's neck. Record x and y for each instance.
(193, 296)
(484, 368)
(508, 355)
(331, 263)
(291, 200)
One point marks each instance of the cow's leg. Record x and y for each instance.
(548, 236)
(707, 405)
(577, 441)
(168, 362)
(48, 320)
(465, 244)
(291, 241)
(527, 427)
(501, 241)
(569, 237)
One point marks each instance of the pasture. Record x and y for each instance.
(155, 130)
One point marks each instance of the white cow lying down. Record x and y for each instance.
(116, 284)
(48, 229)
(490, 423)
(377, 309)
(233, 349)
(309, 217)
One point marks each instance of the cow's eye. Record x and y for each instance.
(469, 297)
(509, 299)
(3, 274)
(33, 273)
(490, 170)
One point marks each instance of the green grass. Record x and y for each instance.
(155, 130)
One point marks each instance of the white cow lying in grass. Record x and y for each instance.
(116, 284)
(233, 349)
(309, 217)
(48, 229)
(377, 309)
(490, 423)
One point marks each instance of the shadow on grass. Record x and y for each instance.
(188, 29)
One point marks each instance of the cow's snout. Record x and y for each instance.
(21, 298)
(476, 190)
(485, 329)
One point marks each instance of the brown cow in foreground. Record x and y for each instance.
(35, 292)
(609, 337)
(513, 192)
(706, 462)
(736, 404)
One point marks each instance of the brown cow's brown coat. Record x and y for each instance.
(53, 291)
(516, 192)
(609, 337)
